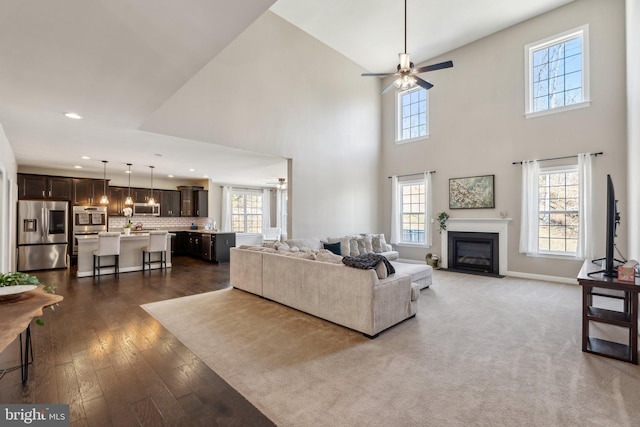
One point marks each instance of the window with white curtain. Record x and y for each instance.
(246, 212)
(558, 210)
(412, 212)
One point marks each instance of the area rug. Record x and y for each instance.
(481, 351)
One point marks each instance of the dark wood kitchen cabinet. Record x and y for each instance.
(44, 187)
(194, 201)
(117, 197)
(88, 191)
(200, 203)
(194, 244)
(169, 203)
(221, 244)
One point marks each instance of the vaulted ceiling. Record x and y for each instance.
(115, 62)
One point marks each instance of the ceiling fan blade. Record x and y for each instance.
(440, 66)
(377, 74)
(422, 83)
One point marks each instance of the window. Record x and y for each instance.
(412, 123)
(558, 210)
(412, 212)
(246, 213)
(557, 73)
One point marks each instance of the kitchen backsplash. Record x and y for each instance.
(116, 222)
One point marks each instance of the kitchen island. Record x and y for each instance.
(130, 253)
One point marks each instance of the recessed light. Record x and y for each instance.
(72, 115)
(85, 157)
(170, 176)
(127, 172)
(192, 170)
(205, 176)
(78, 167)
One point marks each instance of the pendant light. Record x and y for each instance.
(151, 201)
(104, 200)
(129, 201)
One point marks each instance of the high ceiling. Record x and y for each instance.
(115, 62)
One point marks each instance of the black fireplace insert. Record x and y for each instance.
(473, 252)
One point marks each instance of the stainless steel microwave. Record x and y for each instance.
(145, 209)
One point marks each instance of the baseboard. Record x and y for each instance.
(568, 280)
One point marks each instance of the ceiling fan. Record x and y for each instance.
(280, 185)
(407, 74)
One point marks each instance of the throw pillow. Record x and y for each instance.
(362, 247)
(334, 247)
(381, 271)
(330, 257)
(367, 243)
(344, 244)
(375, 243)
(353, 247)
(383, 243)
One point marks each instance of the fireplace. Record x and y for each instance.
(473, 252)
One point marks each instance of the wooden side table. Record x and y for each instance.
(15, 317)
(595, 284)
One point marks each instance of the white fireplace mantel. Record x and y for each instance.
(479, 225)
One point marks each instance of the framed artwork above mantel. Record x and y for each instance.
(474, 192)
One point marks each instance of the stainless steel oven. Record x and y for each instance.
(88, 220)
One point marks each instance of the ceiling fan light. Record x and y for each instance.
(405, 61)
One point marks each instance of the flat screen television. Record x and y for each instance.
(609, 267)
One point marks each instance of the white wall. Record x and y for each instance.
(633, 123)
(478, 125)
(276, 90)
(8, 179)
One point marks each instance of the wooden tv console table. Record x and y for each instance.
(597, 284)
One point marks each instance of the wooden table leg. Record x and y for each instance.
(586, 299)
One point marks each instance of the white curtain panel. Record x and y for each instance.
(226, 209)
(585, 220)
(428, 210)
(266, 210)
(279, 211)
(396, 232)
(529, 208)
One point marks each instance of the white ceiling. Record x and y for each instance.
(116, 61)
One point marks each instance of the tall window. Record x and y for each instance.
(246, 213)
(557, 72)
(413, 212)
(412, 120)
(558, 210)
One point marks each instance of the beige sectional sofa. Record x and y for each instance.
(350, 297)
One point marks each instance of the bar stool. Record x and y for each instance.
(108, 245)
(157, 244)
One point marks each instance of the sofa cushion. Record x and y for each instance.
(381, 271)
(362, 247)
(353, 247)
(336, 247)
(311, 243)
(368, 245)
(328, 256)
(344, 244)
(378, 243)
(420, 273)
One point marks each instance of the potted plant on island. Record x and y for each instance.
(127, 227)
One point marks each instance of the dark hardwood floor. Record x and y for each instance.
(115, 365)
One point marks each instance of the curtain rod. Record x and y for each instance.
(412, 174)
(559, 158)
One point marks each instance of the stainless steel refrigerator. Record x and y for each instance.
(42, 234)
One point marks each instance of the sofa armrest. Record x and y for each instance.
(246, 270)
